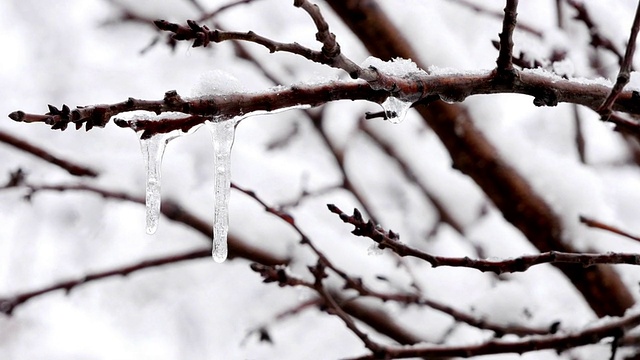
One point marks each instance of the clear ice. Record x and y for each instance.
(395, 109)
(223, 131)
(152, 152)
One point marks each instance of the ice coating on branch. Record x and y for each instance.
(395, 109)
(223, 132)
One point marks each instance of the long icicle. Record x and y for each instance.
(152, 152)
(223, 131)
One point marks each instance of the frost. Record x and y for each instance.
(564, 68)
(395, 67)
(223, 132)
(395, 109)
(216, 82)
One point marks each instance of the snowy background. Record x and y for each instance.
(64, 51)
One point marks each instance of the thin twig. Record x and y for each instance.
(600, 225)
(70, 167)
(389, 239)
(8, 304)
(625, 68)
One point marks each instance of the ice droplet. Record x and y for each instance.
(152, 152)
(395, 109)
(223, 131)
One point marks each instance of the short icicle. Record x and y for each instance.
(152, 152)
(223, 131)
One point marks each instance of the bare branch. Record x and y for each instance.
(625, 68)
(504, 62)
(8, 304)
(614, 328)
(70, 167)
(389, 239)
(600, 225)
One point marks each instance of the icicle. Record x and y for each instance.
(223, 134)
(395, 109)
(152, 151)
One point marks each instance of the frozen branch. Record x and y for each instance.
(546, 91)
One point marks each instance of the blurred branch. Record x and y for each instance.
(498, 15)
(8, 304)
(597, 39)
(69, 166)
(615, 327)
(174, 212)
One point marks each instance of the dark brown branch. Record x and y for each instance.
(8, 304)
(389, 239)
(70, 167)
(546, 90)
(504, 62)
(614, 328)
(625, 68)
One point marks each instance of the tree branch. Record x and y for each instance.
(70, 167)
(389, 239)
(625, 68)
(614, 328)
(8, 304)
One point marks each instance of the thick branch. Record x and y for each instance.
(504, 62)
(547, 90)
